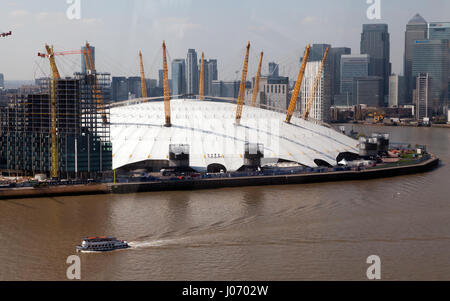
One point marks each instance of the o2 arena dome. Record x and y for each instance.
(203, 135)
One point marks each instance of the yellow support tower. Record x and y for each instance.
(241, 97)
(202, 78)
(54, 166)
(166, 88)
(258, 76)
(298, 85)
(143, 82)
(315, 86)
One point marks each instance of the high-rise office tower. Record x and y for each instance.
(317, 51)
(375, 41)
(352, 66)
(83, 63)
(440, 31)
(423, 97)
(134, 87)
(2, 81)
(119, 87)
(416, 29)
(211, 74)
(192, 82)
(178, 77)
(432, 57)
(160, 78)
(368, 90)
(274, 69)
(397, 90)
(336, 54)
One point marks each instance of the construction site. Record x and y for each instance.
(62, 132)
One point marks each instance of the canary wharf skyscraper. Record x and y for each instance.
(416, 30)
(375, 41)
(192, 80)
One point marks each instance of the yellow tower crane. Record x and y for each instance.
(258, 77)
(315, 86)
(54, 166)
(166, 88)
(241, 97)
(143, 82)
(298, 85)
(202, 78)
(96, 92)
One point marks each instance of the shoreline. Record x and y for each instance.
(217, 183)
(442, 126)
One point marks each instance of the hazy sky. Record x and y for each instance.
(120, 28)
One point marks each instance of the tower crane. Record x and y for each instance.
(98, 97)
(143, 82)
(241, 97)
(54, 147)
(90, 67)
(258, 76)
(298, 85)
(315, 86)
(202, 78)
(166, 88)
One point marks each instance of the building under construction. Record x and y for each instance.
(84, 148)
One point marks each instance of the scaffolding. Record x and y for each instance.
(83, 140)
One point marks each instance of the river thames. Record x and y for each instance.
(320, 231)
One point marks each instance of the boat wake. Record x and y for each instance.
(152, 243)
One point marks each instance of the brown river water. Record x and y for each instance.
(301, 232)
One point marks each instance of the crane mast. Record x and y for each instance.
(166, 88)
(54, 147)
(143, 82)
(202, 78)
(241, 97)
(315, 86)
(298, 85)
(258, 77)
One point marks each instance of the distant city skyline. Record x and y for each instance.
(119, 29)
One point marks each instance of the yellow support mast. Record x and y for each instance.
(166, 88)
(241, 97)
(258, 77)
(315, 86)
(143, 82)
(298, 85)
(202, 78)
(54, 166)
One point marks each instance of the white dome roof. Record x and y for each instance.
(138, 134)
